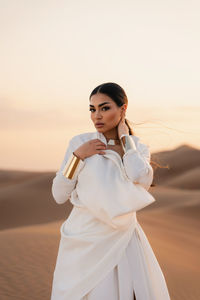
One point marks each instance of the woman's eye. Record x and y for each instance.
(106, 107)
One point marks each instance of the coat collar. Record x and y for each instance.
(101, 137)
(111, 154)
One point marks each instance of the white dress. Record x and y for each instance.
(103, 251)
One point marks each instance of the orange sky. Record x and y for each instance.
(53, 53)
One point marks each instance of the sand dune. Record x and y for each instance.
(28, 255)
(31, 219)
(27, 261)
(187, 180)
(179, 160)
(30, 201)
(10, 177)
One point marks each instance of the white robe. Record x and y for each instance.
(106, 193)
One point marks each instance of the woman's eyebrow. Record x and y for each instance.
(100, 104)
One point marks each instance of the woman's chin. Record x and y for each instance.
(100, 129)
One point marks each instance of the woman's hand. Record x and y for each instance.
(122, 127)
(90, 148)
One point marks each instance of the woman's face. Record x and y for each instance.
(105, 110)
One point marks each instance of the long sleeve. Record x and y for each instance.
(137, 165)
(62, 187)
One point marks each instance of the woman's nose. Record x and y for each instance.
(98, 115)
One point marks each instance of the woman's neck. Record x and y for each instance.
(111, 134)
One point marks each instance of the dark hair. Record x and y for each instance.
(118, 95)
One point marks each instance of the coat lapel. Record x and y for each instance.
(113, 155)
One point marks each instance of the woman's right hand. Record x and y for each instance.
(90, 148)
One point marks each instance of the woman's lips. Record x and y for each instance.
(99, 125)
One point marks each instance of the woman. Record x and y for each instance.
(103, 251)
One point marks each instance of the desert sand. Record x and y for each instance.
(30, 221)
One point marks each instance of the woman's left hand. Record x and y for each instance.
(122, 127)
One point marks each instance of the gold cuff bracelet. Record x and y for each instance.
(71, 166)
(127, 143)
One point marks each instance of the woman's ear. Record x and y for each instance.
(123, 109)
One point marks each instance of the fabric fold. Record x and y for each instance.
(100, 226)
(108, 194)
(93, 249)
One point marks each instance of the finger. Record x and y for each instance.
(99, 143)
(98, 140)
(99, 147)
(95, 140)
(101, 152)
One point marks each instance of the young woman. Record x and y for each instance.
(103, 251)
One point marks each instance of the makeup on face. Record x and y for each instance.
(105, 113)
(105, 107)
(101, 104)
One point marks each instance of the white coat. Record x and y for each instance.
(106, 193)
